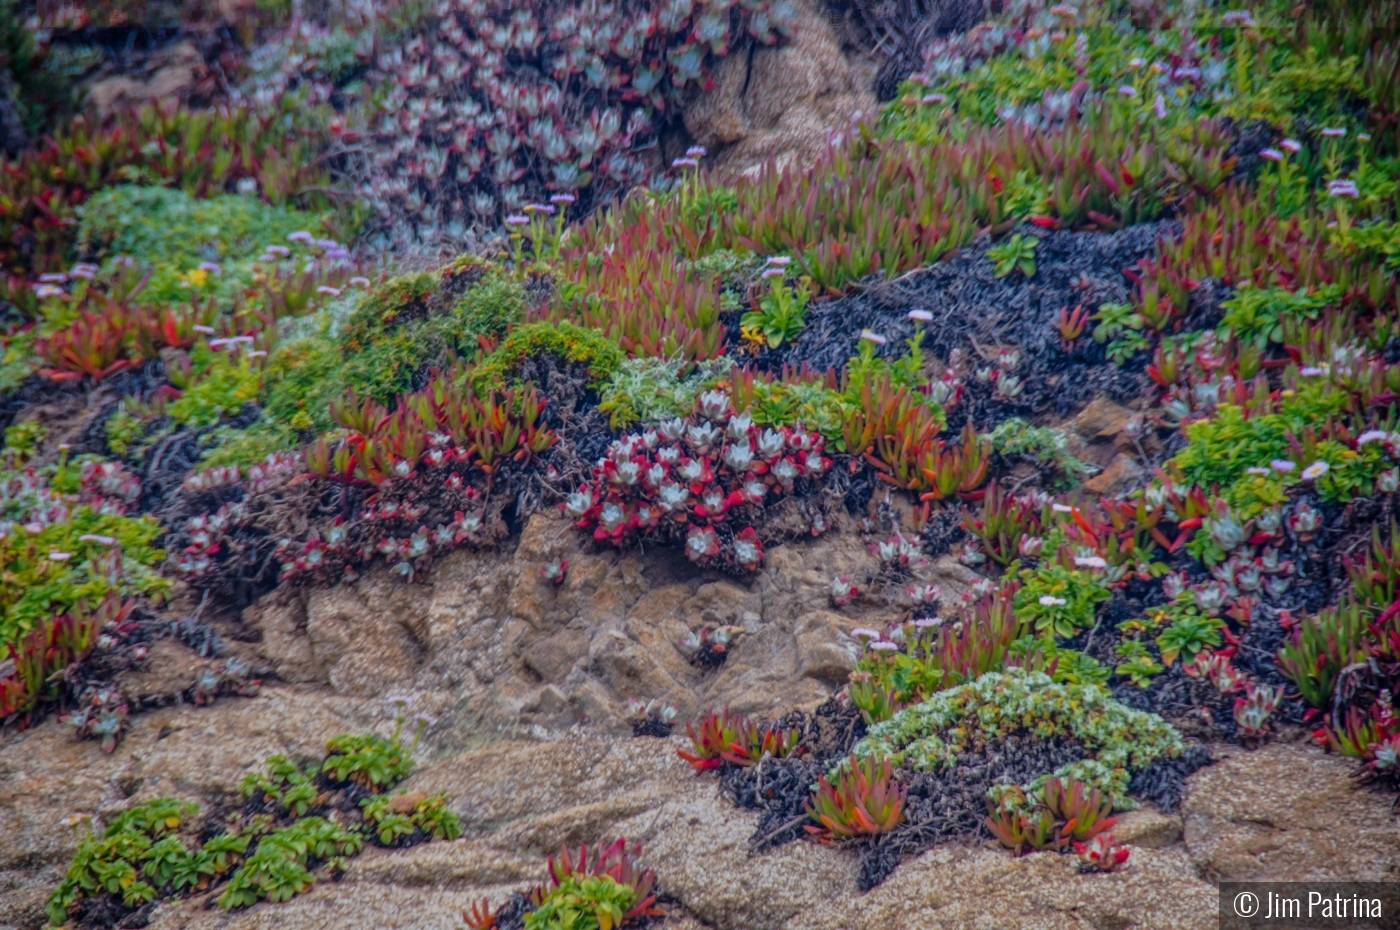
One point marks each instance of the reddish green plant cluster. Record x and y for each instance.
(1101, 854)
(899, 434)
(898, 205)
(203, 152)
(49, 650)
(113, 333)
(637, 291)
(725, 736)
(444, 425)
(618, 862)
(933, 654)
(1070, 812)
(864, 801)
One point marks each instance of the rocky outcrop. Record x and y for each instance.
(779, 104)
(167, 74)
(521, 799)
(1289, 813)
(488, 636)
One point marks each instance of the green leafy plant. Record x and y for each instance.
(402, 815)
(368, 760)
(279, 869)
(1015, 254)
(1256, 316)
(1137, 666)
(140, 840)
(1188, 634)
(1059, 601)
(780, 315)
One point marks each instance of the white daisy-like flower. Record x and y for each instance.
(1315, 470)
(1047, 601)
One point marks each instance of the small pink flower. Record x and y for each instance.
(920, 316)
(1291, 145)
(1334, 132)
(1340, 188)
(1283, 466)
(1315, 470)
(1128, 91)
(874, 338)
(685, 163)
(1271, 154)
(696, 151)
(884, 645)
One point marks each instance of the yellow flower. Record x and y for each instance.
(198, 277)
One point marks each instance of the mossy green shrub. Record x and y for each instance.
(221, 389)
(402, 328)
(300, 380)
(174, 234)
(933, 735)
(391, 303)
(588, 347)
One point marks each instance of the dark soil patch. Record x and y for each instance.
(952, 804)
(1163, 783)
(973, 308)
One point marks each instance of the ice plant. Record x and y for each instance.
(864, 801)
(719, 730)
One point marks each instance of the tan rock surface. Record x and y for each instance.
(486, 635)
(780, 103)
(521, 799)
(1288, 812)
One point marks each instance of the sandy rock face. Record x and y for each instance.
(780, 103)
(487, 634)
(521, 799)
(1289, 813)
(168, 75)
